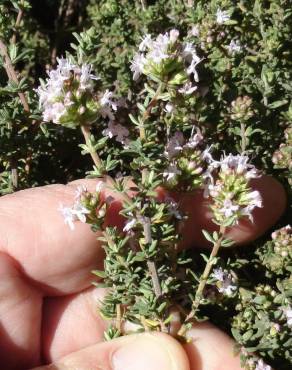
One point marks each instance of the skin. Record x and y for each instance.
(48, 307)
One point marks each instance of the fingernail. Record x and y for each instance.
(146, 352)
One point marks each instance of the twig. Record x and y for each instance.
(86, 133)
(11, 73)
(147, 112)
(14, 178)
(151, 264)
(119, 318)
(203, 281)
(17, 23)
(143, 4)
(243, 137)
(154, 277)
(145, 220)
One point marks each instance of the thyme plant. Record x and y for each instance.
(154, 148)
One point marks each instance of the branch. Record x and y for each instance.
(147, 112)
(11, 73)
(86, 133)
(203, 281)
(17, 23)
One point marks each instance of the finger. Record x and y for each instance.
(71, 323)
(149, 351)
(80, 311)
(32, 231)
(20, 318)
(211, 349)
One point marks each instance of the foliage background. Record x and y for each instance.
(111, 30)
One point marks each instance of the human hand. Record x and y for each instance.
(48, 309)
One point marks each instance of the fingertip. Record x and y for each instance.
(147, 351)
(211, 349)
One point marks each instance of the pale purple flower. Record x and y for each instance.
(159, 50)
(129, 225)
(137, 65)
(174, 145)
(82, 189)
(69, 217)
(234, 47)
(75, 213)
(288, 314)
(146, 43)
(118, 131)
(255, 199)
(54, 112)
(106, 112)
(195, 139)
(173, 35)
(260, 365)
(188, 88)
(190, 55)
(189, 52)
(222, 16)
(80, 212)
(169, 108)
(218, 274)
(214, 190)
(226, 283)
(172, 206)
(276, 327)
(155, 51)
(195, 31)
(229, 208)
(171, 172)
(86, 77)
(106, 100)
(207, 156)
(239, 164)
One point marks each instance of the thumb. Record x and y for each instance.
(147, 351)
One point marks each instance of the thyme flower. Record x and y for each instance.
(66, 95)
(165, 57)
(232, 196)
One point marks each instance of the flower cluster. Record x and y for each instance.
(186, 159)
(67, 96)
(253, 362)
(241, 108)
(86, 208)
(166, 59)
(263, 323)
(282, 158)
(276, 255)
(232, 197)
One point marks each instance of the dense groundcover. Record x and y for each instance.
(238, 99)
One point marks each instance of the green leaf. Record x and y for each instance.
(277, 104)
(208, 236)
